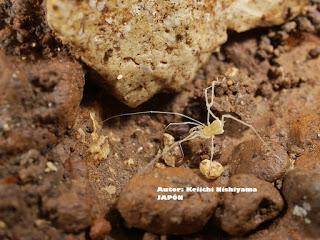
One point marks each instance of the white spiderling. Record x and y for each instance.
(200, 130)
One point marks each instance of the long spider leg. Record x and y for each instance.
(252, 128)
(181, 123)
(212, 148)
(208, 115)
(180, 146)
(212, 93)
(206, 95)
(243, 123)
(154, 112)
(196, 128)
(212, 114)
(191, 136)
(210, 104)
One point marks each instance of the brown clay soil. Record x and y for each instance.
(64, 174)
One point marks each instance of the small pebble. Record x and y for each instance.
(110, 189)
(289, 27)
(306, 25)
(129, 162)
(314, 53)
(168, 139)
(41, 223)
(160, 165)
(276, 52)
(3, 225)
(230, 82)
(299, 211)
(109, 20)
(112, 171)
(211, 169)
(51, 167)
(171, 155)
(5, 127)
(231, 72)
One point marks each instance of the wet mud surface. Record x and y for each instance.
(66, 174)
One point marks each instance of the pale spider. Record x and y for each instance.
(206, 131)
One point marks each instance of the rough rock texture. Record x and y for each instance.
(302, 192)
(253, 157)
(99, 229)
(71, 211)
(24, 31)
(304, 130)
(141, 47)
(301, 189)
(139, 208)
(244, 212)
(34, 99)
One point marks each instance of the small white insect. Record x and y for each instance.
(207, 131)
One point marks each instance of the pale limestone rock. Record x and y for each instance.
(142, 47)
(211, 169)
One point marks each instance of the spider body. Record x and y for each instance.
(213, 129)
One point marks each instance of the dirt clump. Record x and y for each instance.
(138, 206)
(24, 32)
(267, 162)
(244, 212)
(304, 131)
(10, 205)
(99, 229)
(309, 160)
(71, 210)
(35, 98)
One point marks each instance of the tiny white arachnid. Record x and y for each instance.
(207, 131)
